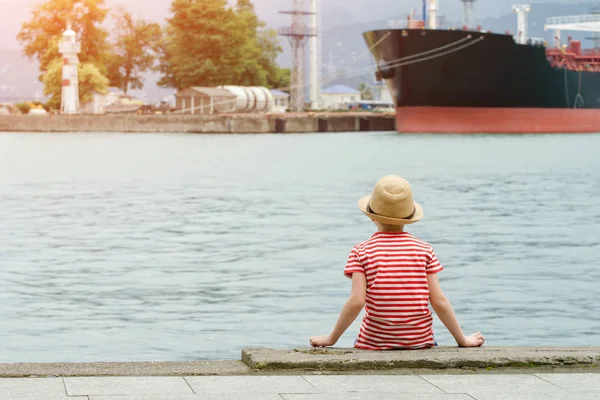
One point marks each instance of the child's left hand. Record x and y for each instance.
(322, 341)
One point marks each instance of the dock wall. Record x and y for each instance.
(293, 123)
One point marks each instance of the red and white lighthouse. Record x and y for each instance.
(69, 48)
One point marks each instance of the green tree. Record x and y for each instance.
(282, 79)
(365, 91)
(268, 42)
(208, 43)
(198, 49)
(90, 80)
(40, 35)
(259, 50)
(134, 50)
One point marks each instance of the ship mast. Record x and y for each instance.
(522, 10)
(433, 14)
(468, 12)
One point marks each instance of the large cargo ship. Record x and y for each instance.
(471, 81)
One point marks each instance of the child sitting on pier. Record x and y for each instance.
(394, 276)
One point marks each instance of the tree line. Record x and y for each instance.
(203, 43)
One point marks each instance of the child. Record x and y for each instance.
(394, 276)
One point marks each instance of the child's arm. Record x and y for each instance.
(349, 312)
(445, 312)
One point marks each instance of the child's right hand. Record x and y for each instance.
(322, 341)
(475, 340)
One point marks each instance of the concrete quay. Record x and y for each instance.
(488, 358)
(445, 373)
(224, 124)
(330, 361)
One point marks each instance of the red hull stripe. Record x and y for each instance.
(496, 120)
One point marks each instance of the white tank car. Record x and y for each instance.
(251, 99)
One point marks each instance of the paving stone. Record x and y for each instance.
(574, 382)
(376, 396)
(372, 383)
(42, 388)
(147, 397)
(42, 397)
(491, 383)
(106, 386)
(249, 384)
(537, 396)
(218, 396)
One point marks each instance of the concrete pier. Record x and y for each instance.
(445, 373)
(339, 361)
(226, 124)
(488, 358)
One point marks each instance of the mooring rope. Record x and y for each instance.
(579, 101)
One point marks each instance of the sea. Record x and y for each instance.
(136, 247)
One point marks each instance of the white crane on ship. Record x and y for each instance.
(582, 23)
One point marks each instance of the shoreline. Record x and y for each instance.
(214, 124)
(339, 361)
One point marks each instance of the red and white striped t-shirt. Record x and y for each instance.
(397, 311)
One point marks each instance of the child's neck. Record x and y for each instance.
(390, 228)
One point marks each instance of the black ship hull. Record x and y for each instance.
(453, 75)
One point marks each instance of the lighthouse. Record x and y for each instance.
(69, 48)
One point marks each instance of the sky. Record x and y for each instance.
(335, 12)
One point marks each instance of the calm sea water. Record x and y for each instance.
(181, 247)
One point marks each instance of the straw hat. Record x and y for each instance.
(391, 202)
